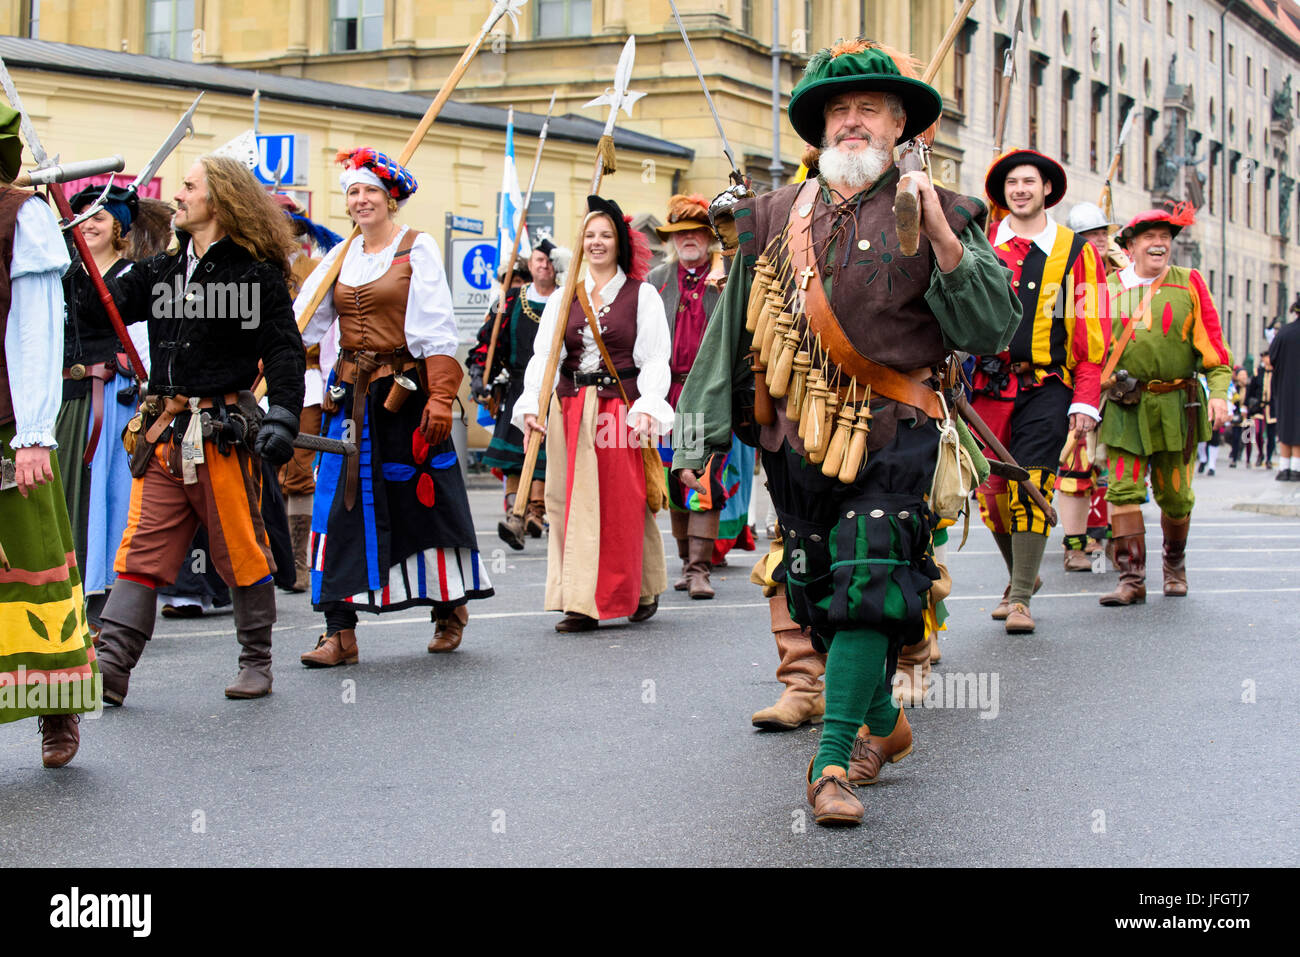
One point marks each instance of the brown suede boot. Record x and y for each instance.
(254, 608)
(1130, 540)
(448, 631)
(800, 670)
(60, 738)
(299, 540)
(697, 574)
(684, 553)
(535, 518)
(128, 619)
(912, 676)
(870, 751)
(833, 801)
(512, 528)
(1175, 554)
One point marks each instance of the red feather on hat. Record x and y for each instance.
(1181, 214)
(641, 255)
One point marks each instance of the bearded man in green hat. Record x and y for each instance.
(858, 564)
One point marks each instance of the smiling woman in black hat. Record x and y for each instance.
(605, 557)
(98, 397)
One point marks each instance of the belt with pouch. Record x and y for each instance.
(358, 368)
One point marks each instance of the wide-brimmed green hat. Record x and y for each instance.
(858, 67)
(11, 146)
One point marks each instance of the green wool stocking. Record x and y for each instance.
(855, 690)
(1027, 551)
(1003, 540)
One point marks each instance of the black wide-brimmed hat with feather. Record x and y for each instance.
(633, 248)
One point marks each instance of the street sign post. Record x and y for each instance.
(282, 158)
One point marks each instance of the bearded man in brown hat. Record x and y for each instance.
(688, 283)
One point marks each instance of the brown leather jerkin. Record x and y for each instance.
(883, 380)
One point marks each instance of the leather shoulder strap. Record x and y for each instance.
(883, 380)
(600, 342)
(1113, 362)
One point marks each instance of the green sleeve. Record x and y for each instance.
(974, 303)
(703, 425)
(1218, 380)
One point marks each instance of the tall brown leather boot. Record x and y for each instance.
(684, 553)
(912, 676)
(448, 631)
(1130, 538)
(254, 615)
(697, 572)
(299, 539)
(800, 670)
(128, 619)
(1175, 554)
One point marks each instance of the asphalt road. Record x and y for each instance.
(1150, 736)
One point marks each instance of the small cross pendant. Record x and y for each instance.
(806, 275)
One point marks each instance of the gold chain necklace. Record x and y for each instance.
(523, 304)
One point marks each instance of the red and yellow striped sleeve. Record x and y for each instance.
(1089, 335)
(1207, 337)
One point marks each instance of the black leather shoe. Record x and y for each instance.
(572, 622)
(644, 611)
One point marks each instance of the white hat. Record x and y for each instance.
(1086, 216)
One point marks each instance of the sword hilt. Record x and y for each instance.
(320, 443)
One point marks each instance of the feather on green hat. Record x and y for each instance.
(861, 65)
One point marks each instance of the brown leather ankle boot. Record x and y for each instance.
(800, 670)
(832, 798)
(1175, 554)
(340, 648)
(871, 751)
(1130, 538)
(449, 630)
(60, 738)
(535, 518)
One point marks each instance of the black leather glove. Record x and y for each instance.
(476, 386)
(275, 437)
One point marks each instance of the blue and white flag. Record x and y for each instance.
(512, 202)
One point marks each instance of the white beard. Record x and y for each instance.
(858, 169)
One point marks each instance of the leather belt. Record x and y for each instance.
(100, 373)
(174, 405)
(1160, 386)
(602, 379)
(890, 383)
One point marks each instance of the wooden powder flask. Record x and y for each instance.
(764, 274)
(811, 390)
(856, 457)
(781, 331)
(764, 411)
(794, 397)
(765, 318)
(836, 452)
(780, 384)
(774, 310)
(818, 455)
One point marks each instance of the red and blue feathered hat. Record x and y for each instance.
(367, 165)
